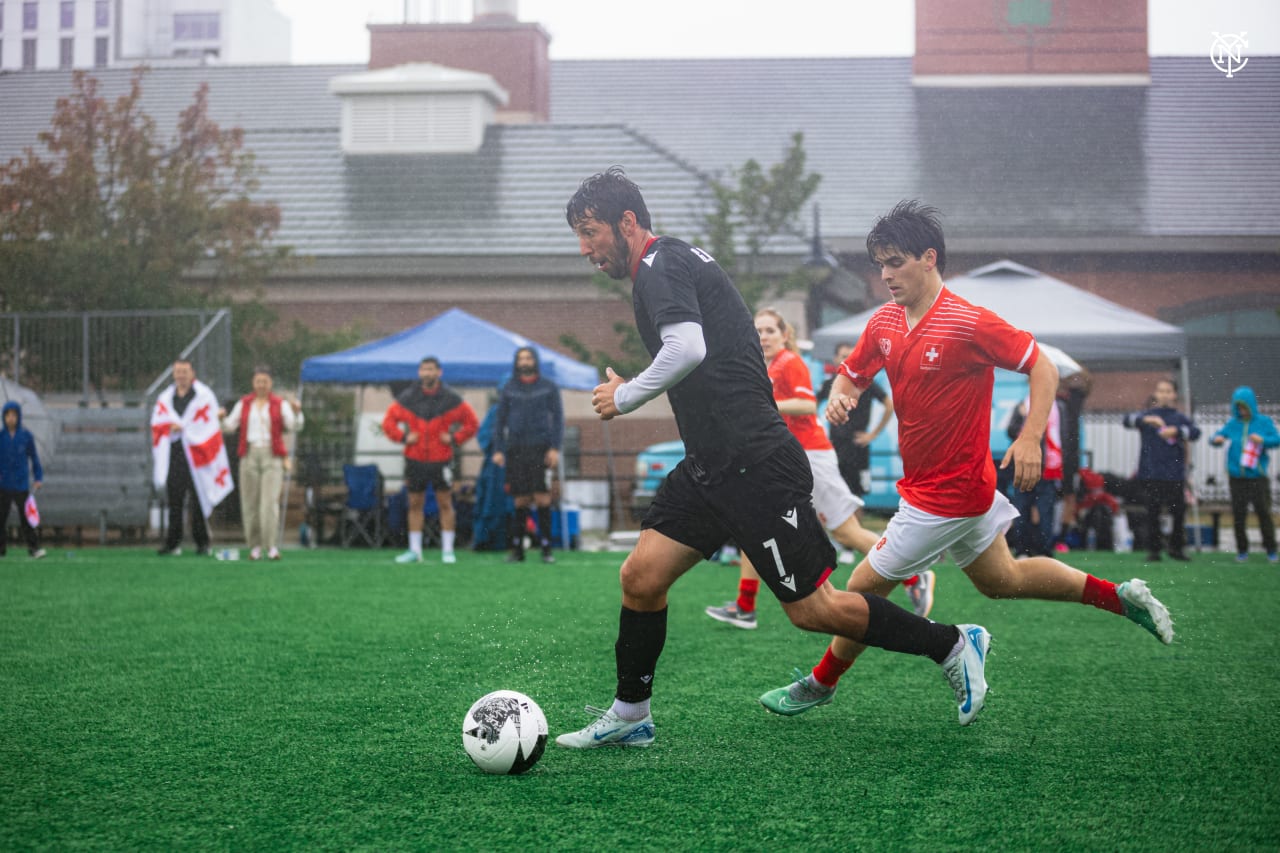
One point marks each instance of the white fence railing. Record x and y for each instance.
(1111, 448)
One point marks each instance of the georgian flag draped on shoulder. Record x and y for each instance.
(202, 443)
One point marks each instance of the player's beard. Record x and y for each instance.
(615, 262)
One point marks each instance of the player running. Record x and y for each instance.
(744, 476)
(939, 352)
(836, 504)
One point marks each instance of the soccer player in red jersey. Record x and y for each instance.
(939, 352)
(836, 504)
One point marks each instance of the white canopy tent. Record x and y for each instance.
(1097, 332)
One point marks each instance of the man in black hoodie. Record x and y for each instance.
(1162, 466)
(528, 432)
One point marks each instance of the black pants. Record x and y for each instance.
(1165, 496)
(19, 499)
(1256, 491)
(178, 488)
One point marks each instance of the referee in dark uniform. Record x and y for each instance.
(744, 476)
(527, 435)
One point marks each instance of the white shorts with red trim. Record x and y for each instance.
(914, 539)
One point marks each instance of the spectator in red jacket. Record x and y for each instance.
(431, 419)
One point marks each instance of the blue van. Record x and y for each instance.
(885, 469)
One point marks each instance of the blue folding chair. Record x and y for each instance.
(363, 521)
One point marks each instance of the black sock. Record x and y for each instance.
(894, 629)
(519, 524)
(544, 525)
(641, 637)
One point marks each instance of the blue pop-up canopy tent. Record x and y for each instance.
(472, 352)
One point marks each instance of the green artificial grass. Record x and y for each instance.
(316, 703)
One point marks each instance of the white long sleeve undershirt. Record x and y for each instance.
(683, 349)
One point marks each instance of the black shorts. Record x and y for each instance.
(419, 475)
(766, 508)
(527, 472)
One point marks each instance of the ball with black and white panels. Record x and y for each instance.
(504, 732)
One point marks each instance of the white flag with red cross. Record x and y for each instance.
(202, 444)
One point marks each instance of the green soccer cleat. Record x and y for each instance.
(1144, 608)
(798, 696)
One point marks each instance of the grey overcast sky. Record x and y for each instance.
(332, 31)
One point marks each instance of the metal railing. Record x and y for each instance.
(112, 357)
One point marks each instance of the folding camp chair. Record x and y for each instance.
(362, 515)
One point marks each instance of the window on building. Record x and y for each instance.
(67, 14)
(196, 26)
(102, 13)
(66, 53)
(30, 15)
(100, 52)
(28, 54)
(1, 17)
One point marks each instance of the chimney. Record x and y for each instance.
(973, 43)
(494, 42)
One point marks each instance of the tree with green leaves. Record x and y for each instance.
(112, 216)
(749, 213)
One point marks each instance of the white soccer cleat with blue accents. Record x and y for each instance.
(966, 671)
(609, 729)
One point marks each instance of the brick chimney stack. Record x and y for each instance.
(494, 42)
(1031, 42)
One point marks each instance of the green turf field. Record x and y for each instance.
(316, 703)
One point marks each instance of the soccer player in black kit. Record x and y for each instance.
(744, 477)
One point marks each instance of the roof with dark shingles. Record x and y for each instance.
(1192, 155)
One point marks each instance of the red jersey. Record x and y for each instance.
(791, 380)
(941, 373)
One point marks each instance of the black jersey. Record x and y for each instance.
(724, 408)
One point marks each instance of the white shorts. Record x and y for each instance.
(831, 496)
(914, 538)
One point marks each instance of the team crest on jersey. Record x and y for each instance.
(885, 346)
(931, 356)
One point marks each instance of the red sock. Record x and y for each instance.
(747, 589)
(1101, 594)
(911, 581)
(830, 668)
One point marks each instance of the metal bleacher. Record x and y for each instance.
(100, 477)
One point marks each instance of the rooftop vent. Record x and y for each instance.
(419, 108)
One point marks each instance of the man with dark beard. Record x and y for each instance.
(528, 432)
(744, 475)
(435, 420)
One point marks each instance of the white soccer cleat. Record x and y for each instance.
(409, 556)
(921, 593)
(608, 729)
(1144, 608)
(966, 671)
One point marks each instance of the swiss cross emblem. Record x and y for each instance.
(885, 346)
(931, 357)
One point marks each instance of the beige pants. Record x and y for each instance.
(261, 479)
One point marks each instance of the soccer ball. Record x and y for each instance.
(504, 732)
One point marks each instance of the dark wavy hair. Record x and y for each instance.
(912, 227)
(605, 196)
